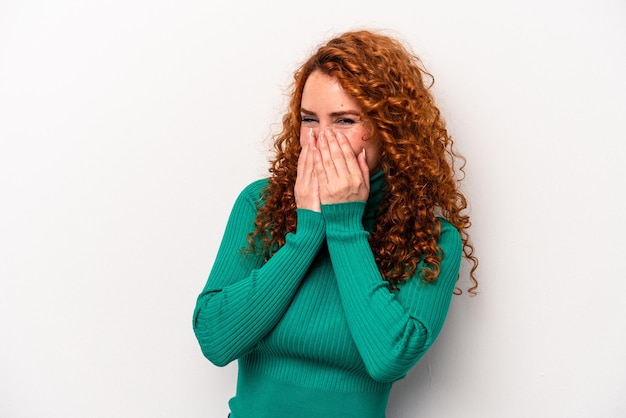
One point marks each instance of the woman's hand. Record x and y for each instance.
(307, 190)
(342, 175)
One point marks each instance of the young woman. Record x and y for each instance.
(335, 274)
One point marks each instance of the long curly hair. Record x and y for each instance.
(421, 169)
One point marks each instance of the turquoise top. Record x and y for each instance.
(315, 329)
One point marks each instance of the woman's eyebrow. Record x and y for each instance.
(333, 114)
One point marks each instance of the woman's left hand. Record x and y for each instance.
(342, 175)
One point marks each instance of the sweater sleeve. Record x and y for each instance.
(243, 298)
(391, 330)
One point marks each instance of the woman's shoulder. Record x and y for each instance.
(444, 223)
(254, 190)
(449, 233)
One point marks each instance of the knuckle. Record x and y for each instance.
(337, 155)
(350, 156)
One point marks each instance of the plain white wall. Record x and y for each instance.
(128, 128)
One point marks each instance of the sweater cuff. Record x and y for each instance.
(344, 217)
(309, 223)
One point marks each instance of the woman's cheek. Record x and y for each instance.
(303, 135)
(356, 142)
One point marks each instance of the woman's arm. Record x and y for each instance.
(243, 298)
(391, 330)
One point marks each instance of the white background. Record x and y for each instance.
(128, 127)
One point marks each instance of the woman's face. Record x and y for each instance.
(325, 104)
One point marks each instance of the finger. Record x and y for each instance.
(346, 160)
(306, 189)
(326, 162)
(305, 160)
(302, 158)
(319, 169)
(365, 170)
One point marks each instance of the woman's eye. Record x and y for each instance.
(345, 121)
(307, 119)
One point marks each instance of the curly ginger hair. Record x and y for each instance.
(417, 157)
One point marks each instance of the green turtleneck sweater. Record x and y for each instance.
(315, 329)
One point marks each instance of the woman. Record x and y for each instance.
(335, 274)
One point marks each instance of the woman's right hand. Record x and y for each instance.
(307, 189)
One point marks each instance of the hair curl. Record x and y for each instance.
(417, 157)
